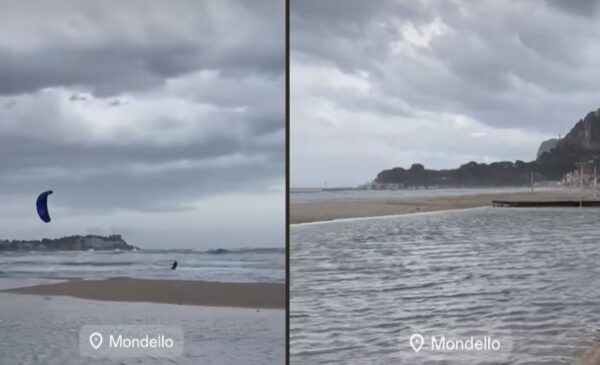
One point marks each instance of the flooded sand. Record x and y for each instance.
(372, 203)
(43, 330)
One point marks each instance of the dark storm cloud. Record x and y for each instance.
(488, 53)
(126, 59)
(146, 106)
(105, 70)
(143, 175)
(332, 32)
(110, 178)
(580, 7)
(116, 68)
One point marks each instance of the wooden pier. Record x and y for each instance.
(546, 204)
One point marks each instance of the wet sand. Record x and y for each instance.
(186, 292)
(330, 210)
(590, 357)
(44, 330)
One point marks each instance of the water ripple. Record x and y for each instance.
(358, 287)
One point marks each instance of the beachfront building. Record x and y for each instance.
(576, 178)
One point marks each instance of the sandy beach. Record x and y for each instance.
(330, 210)
(185, 292)
(590, 357)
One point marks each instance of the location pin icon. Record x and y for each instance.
(96, 340)
(416, 342)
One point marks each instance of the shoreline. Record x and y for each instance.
(337, 220)
(181, 292)
(591, 356)
(342, 210)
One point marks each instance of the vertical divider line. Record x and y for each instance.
(287, 180)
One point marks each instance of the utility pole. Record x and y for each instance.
(531, 181)
(595, 182)
(581, 185)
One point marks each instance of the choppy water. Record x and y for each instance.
(318, 195)
(249, 265)
(531, 277)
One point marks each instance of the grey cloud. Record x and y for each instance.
(580, 7)
(480, 68)
(343, 34)
(120, 67)
(141, 50)
(108, 190)
(264, 94)
(101, 175)
(108, 106)
(330, 18)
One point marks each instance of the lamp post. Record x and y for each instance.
(581, 185)
(580, 182)
(595, 179)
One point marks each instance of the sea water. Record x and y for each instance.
(43, 330)
(530, 277)
(243, 265)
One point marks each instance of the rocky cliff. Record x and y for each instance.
(70, 243)
(546, 146)
(585, 135)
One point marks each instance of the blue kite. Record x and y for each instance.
(42, 206)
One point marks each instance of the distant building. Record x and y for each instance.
(380, 186)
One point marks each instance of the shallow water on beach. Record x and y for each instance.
(529, 277)
(42, 330)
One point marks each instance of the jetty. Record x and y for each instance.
(546, 204)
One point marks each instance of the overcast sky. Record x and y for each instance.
(379, 84)
(160, 120)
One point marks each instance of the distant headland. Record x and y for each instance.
(70, 243)
(568, 160)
